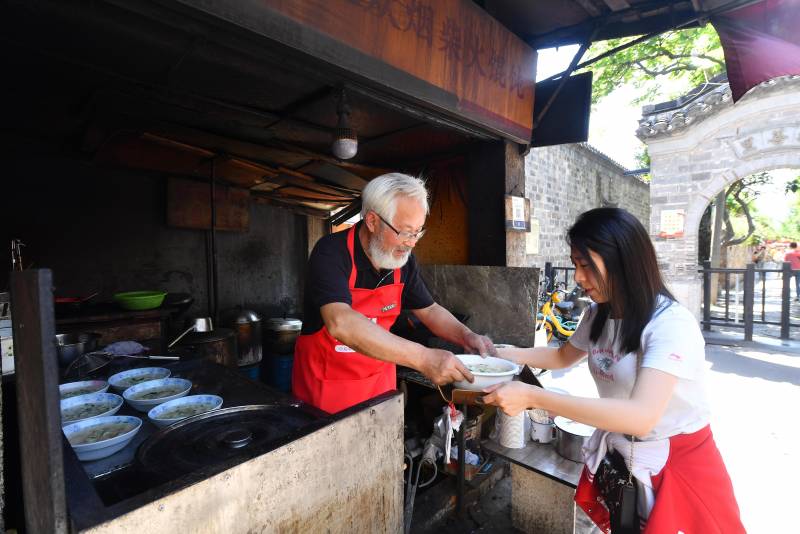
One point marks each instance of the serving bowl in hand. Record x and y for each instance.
(74, 389)
(175, 410)
(147, 395)
(487, 371)
(89, 406)
(122, 381)
(100, 437)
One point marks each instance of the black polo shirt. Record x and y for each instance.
(328, 278)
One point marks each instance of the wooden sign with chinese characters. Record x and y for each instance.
(449, 54)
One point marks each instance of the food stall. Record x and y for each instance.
(185, 147)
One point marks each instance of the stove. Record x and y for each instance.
(254, 419)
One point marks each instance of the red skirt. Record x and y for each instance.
(693, 492)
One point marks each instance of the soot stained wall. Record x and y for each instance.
(105, 230)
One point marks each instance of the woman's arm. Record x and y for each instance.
(544, 357)
(636, 416)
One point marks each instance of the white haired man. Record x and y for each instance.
(357, 283)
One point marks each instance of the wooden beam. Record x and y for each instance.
(617, 5)
(589, 7)
(40, 439)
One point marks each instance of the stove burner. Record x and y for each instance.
(237, 438)
(215, 437)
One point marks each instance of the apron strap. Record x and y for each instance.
(351, 248)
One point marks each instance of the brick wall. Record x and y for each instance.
(563, 181)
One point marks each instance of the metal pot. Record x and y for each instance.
(571, 436)
(280, 334)
(218, 345)
(70, 346)
(247, 325)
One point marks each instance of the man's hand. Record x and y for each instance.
(477, 344)
(511, 397)
(441, 367)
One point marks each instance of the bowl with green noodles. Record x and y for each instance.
(171, 412)
(88, 406)
(100, 437)
(487, 371)
(147, 395)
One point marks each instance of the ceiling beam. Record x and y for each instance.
(617, 5)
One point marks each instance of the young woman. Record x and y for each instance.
(646, 355)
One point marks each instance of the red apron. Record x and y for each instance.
(332, 376)
(693, 492)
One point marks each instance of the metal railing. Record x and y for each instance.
(750, 317)
(554, 275)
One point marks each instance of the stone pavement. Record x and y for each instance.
(754, 391)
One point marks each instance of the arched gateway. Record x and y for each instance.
(701, 143)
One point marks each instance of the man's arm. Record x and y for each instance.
(362, 335)
(442, 323)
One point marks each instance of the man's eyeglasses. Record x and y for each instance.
(403, 236)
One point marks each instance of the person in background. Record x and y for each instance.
(759, 256)
(647, 358)
(793, 257)
(358, 281)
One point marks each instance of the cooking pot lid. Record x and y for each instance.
(279, 324)
(213, 437)
(573, 427)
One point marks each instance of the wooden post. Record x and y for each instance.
(786, 299)
(38, 406)
(706, 296)
(749, 300)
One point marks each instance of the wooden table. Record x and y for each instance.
(542, 487)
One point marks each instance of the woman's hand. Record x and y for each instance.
(511, 397)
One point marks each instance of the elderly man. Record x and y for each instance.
(358, 282)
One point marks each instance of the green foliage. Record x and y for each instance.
(689, 56)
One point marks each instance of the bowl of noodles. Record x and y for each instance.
(487, 371)
(149, 394)
(88, 406)
(99, 437)
(176, 410)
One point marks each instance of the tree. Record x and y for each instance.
(739, 198)
(690, 56)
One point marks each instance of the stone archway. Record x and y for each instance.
(700, 144)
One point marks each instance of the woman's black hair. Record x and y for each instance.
(633, 280)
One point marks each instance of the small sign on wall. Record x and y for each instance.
(672, 223)
(532, 238)
(518, 214)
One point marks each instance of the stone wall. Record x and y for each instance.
(563, 181)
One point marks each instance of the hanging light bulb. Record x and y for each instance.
(345, 142)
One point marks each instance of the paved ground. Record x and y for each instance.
(754, 391)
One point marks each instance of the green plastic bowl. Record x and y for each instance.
(140, 300)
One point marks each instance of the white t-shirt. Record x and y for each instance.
(672, 343)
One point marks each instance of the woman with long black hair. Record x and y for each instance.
(647, 357)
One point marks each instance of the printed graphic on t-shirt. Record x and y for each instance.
(602, 361)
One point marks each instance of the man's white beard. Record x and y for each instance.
(385, 259)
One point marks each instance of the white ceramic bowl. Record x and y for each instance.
(161, 415)
(122, 381)
(486, 379)
(106, 447)
(73, 389)
(69, 407)
(134, 394)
